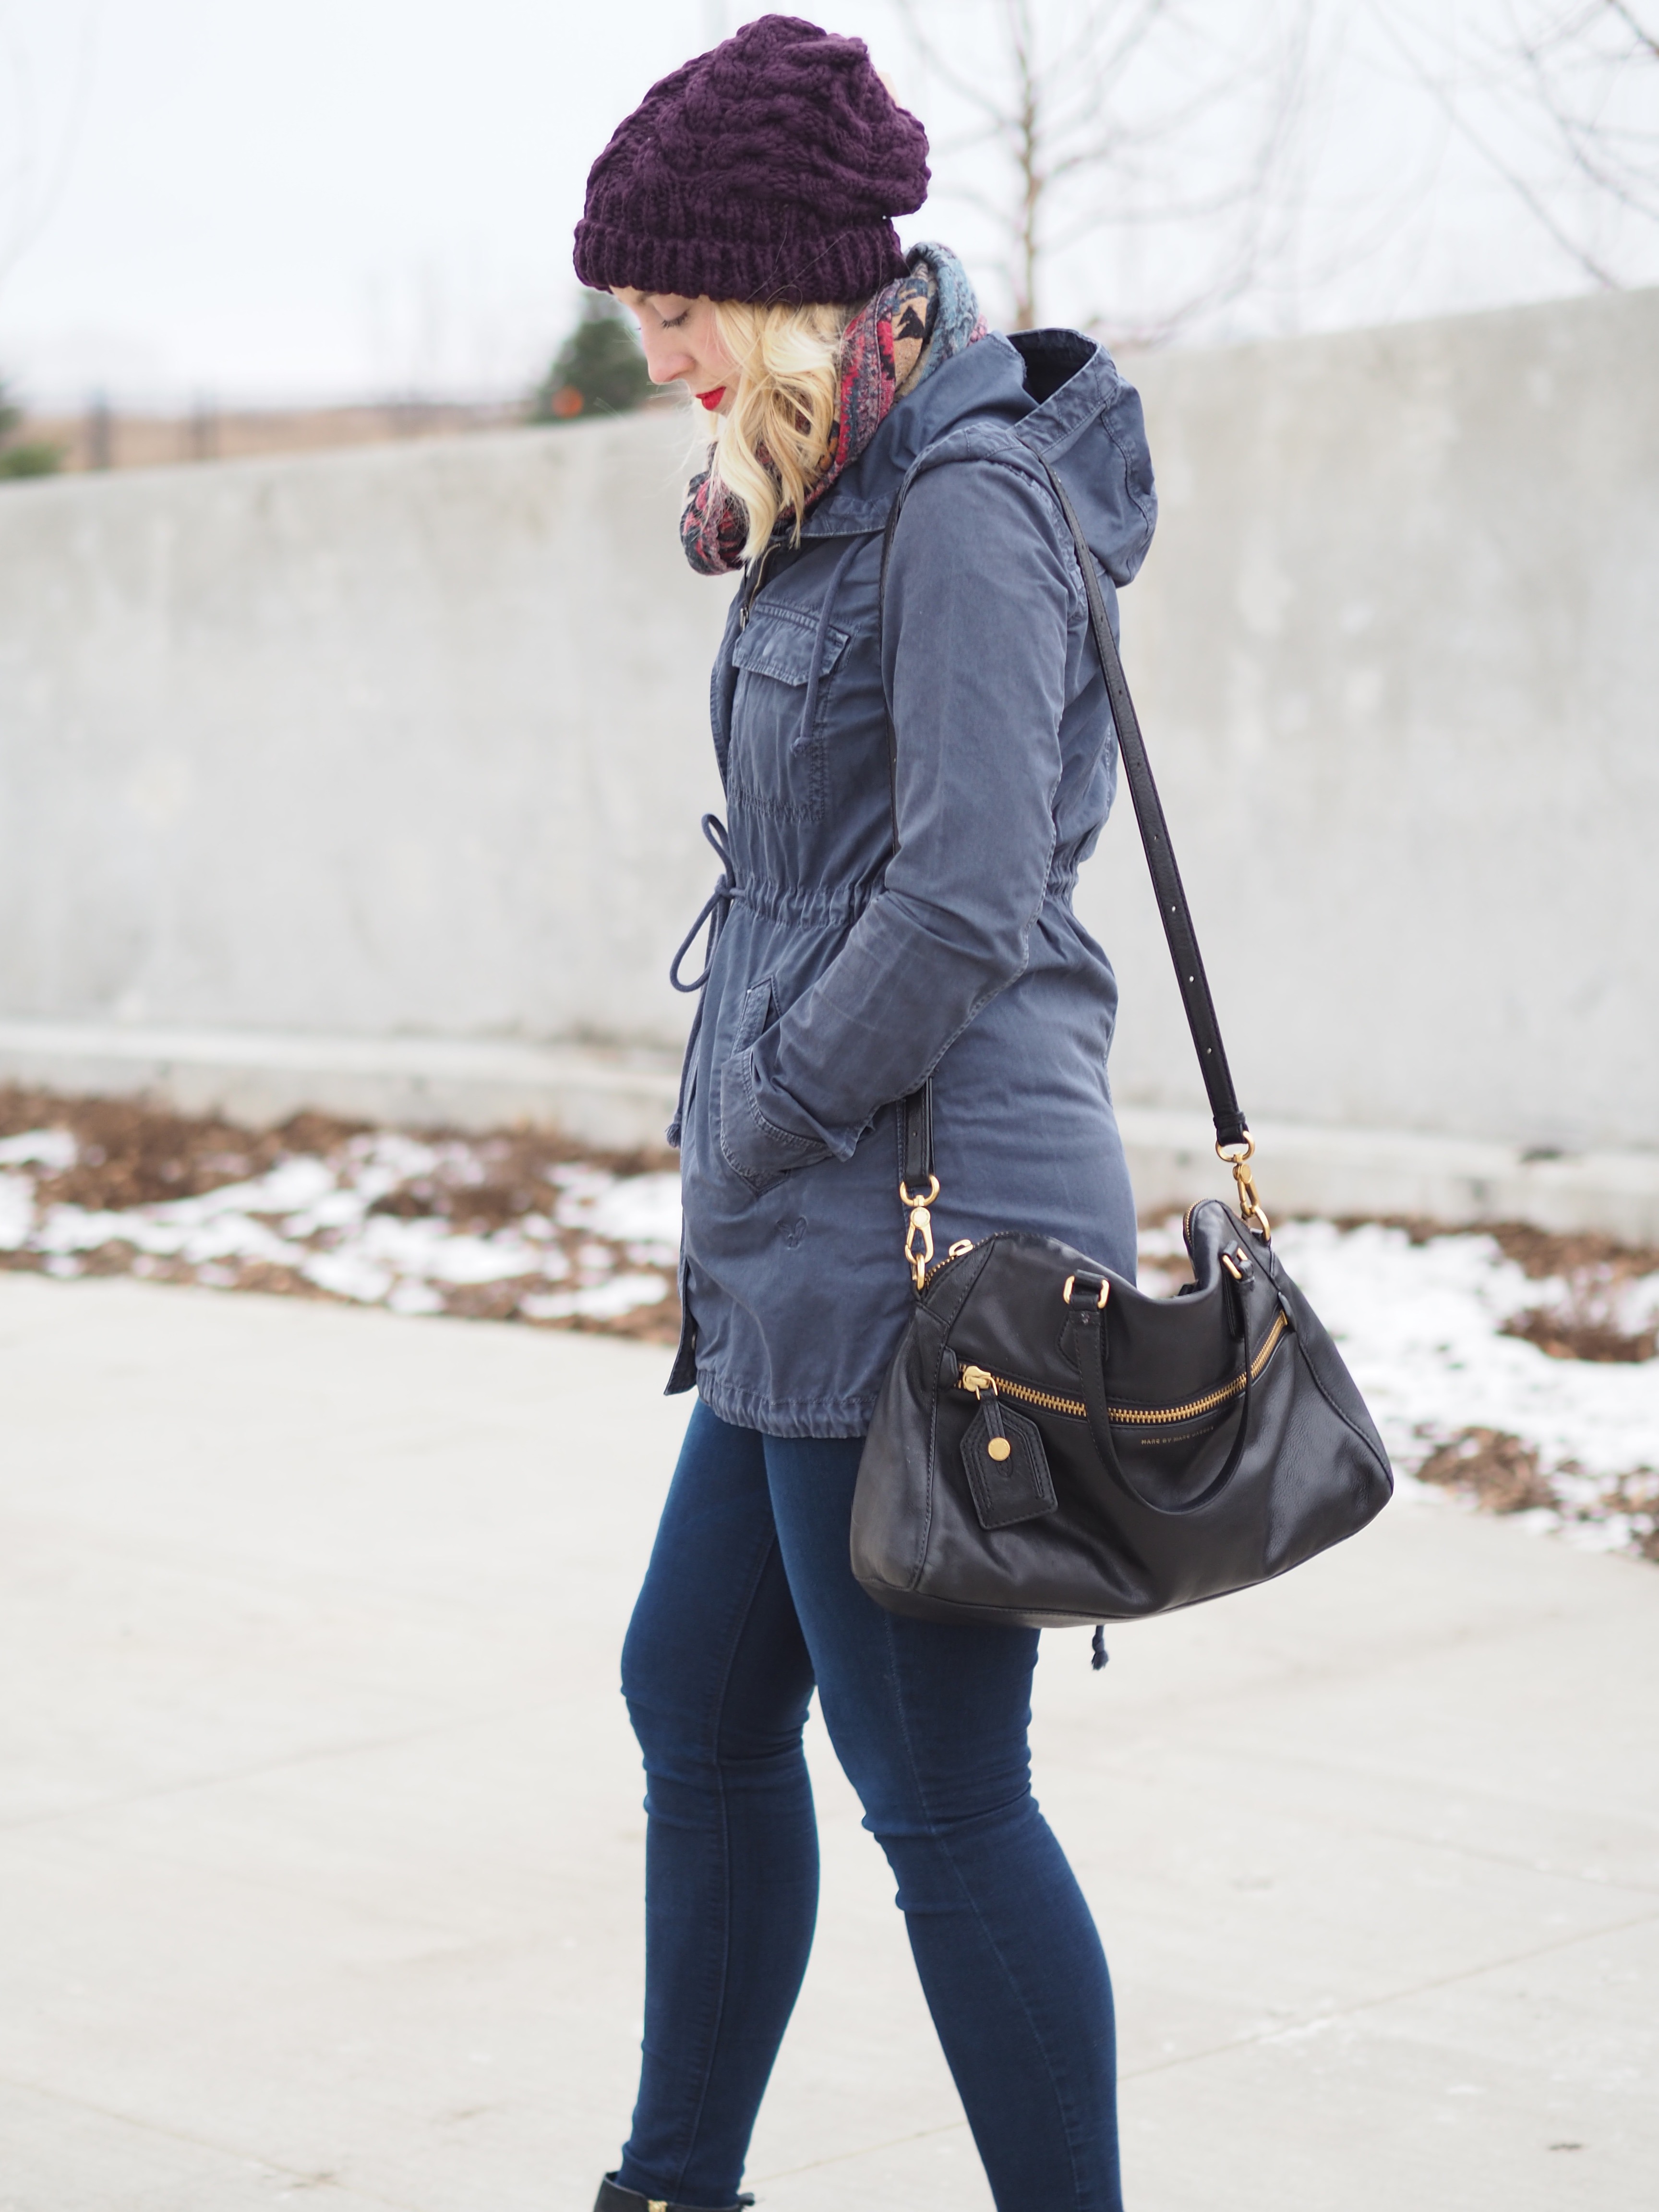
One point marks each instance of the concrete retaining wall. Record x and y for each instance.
(410, 743)
(412, 739)
(1396, 649)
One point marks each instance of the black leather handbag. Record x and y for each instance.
(1051, 1446)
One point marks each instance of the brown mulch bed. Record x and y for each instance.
(1503, 1474)
(133, 1153)
(1499, 1472)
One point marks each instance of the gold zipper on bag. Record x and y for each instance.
(979, 1380)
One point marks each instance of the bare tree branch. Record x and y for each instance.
(1603, 152)
(1552, 78)
(1638, 31)
(37, 178)
(1094, 109)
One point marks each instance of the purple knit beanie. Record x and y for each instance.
(766, 170)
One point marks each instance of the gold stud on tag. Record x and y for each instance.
(998, 1447)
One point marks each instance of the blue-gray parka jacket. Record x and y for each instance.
(845, 969)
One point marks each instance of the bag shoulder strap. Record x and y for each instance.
(1233, 1141)
(1173, 910)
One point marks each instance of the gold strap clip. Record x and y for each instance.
(919, 1237)
(1249, 1205)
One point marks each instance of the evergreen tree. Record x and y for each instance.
(31, 457)
(598, 370)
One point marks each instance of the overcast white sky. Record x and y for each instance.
(310, 198)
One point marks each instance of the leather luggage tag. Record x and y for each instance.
(1017, 1487)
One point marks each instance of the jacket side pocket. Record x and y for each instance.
(756, 1013)
(757, 1153)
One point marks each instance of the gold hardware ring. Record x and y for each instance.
(1105, 1292)
(919, 1237)
(1249, 1205)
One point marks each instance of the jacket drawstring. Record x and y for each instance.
(715, 908)
(718, 905)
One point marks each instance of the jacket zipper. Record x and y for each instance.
(979, 1380)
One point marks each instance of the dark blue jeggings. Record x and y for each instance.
(749, 1602)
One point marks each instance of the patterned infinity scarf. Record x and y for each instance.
(894, 341)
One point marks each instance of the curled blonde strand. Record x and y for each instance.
(783, 405)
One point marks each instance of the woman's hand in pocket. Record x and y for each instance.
(756, 1150)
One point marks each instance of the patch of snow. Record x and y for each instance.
(1418, 1326)
(17, 1212)
(158, 1231)
(389, 1152)
(340, 1207)
(643, 1209)
(1537, 1520)
(426, 1246)
(237, 1237)
(1162, 1240)
(605, 1301)
(289, 1186)
(55, 1150)
(348, 1275)
(1610, 1532)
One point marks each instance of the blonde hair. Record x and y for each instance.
(783, 407)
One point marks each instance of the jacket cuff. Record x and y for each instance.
(754, 1148)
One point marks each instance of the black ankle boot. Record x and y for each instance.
(612, 2199)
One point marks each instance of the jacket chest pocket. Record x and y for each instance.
(777, 762)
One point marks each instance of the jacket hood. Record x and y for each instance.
(1057, 393)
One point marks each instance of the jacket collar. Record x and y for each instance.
(1048, 386)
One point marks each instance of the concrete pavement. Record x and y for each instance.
(320, 1844)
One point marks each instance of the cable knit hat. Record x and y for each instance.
(765, 170)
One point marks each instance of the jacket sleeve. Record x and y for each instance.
(980, 590)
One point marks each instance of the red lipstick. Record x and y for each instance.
(711, 400)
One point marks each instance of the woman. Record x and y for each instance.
(874, 926)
